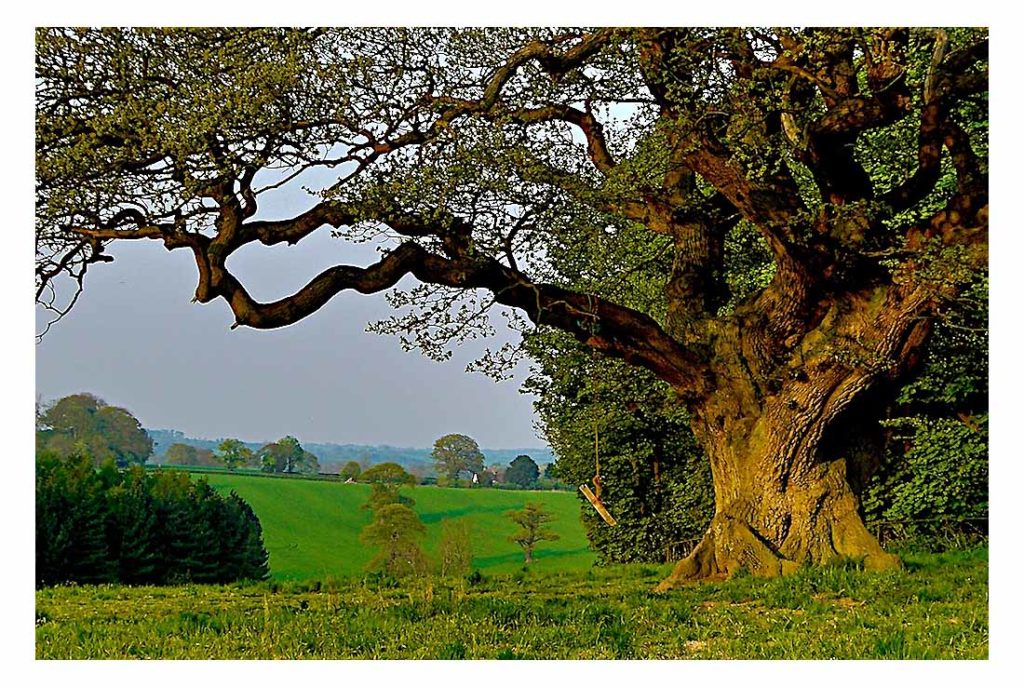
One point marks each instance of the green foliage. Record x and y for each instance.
(455, 550)
(384, 494)
(455, 454)
(749, 265)
(186, 455)
(387, 473)
(286, 455)
(133, 529)
(138, 528)
(935, 609)
(522, 471)
(350, 470)
(84, 424)
(532, 521)
(71, 513)
(654, 478)
(937, 474)
(234, 454)
(396, 530)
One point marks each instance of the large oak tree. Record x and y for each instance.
(479, 159)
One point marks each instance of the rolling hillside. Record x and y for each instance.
(311, 528)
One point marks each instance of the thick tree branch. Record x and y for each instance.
(604, 326)
(929, 157)
(597, 145)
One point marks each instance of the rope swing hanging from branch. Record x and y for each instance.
(595, 496)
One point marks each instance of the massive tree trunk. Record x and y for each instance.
(786, 493)
(791, 451)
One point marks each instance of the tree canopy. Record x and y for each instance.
(185, 454)
(287, 455)
(522, 471)
(84, 423)
(386, 473)
(135, 527)
(540, 170)
(457, 453)
(234, 454)
(532, 520)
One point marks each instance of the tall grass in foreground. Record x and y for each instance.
(935, 608)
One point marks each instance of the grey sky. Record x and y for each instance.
(135, 340)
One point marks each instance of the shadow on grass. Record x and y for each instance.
(517, 556)
(437, 516)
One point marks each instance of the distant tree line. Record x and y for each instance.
(459, 462)
(133, 527)
(282, 456)
(83, 423)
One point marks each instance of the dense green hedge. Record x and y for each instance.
(135, 527)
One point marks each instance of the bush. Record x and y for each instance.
(137, 528)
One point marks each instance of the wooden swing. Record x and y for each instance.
(595, 496)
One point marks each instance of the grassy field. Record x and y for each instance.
(935, 608)
(311, 528)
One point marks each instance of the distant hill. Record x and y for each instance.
(332, 456)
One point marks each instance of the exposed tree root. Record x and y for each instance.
(731, 545)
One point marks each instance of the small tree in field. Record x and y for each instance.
(531, 520)
(396, 529)
(456, 549)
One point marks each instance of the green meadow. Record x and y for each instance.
(936, 607)
(320, 604)
(311, 527)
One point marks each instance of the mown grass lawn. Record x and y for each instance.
(311, 528)
(937, 607)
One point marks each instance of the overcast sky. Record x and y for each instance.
(135, 340)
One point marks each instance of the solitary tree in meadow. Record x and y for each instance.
(483, 158)
(457, 453)
(532, 521)
(286, 455)
(396, 530)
